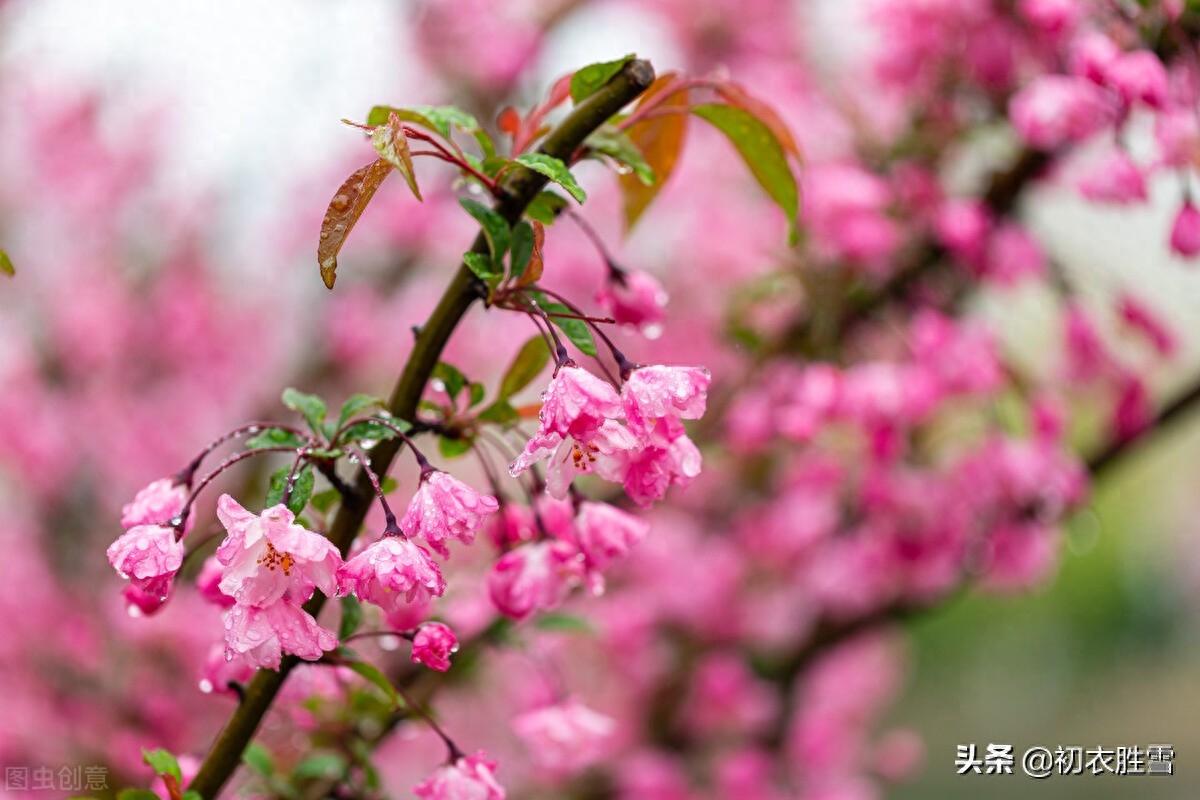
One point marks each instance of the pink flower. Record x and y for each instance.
(1185, 232)
(468, 778)
(1143, 320)
(1051, 16)
(605, 533)
(577, 402)
(433, 645)
(635, 298)
(962, 227)
(1116, 179)
(1056, 109)
(1091, 55)
(268, 556)
(654, 469)
(604, 451)
(1013, 254)
(209, 583)
(392, 572)
(141, 603)
(1178, 134)
(156, 504)
(446, 508)
(534, 576)
(1139, 76)
(261, 636)
(654, 393)
(149, 556)
(565, 737)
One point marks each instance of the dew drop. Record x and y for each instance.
(253, 429)
(454, 649)
(229, 656)
(134, 611)
(438, 385)
(652, 332)
(389, 643)
(206, 686)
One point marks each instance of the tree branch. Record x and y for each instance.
(518, 188)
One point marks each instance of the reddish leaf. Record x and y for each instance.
(509, 121)
(660, 138)
(534, 271)
(344, 210)
(392, 146)
(736, 95)
(560, 91)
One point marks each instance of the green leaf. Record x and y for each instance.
(446, 117)
(137, 794)
(521, 248)
(302, 486)
(369, 431)
(162, 762)
(373, 674)
(586, 81)
(258, 759)
(323, 501)
(564, 622)
(190, 795)
(619, 147)
(379, 115)
(324, 765)
(451, 378)
(6, 264)
(763, 154)
(388, 485)
(495, 229)
(545, 207)
(479, 264)
(529, 363)
(311, 407)
(356, 403)
(352, 614)
(438, 119)
(453, 448)
(555, 170)
(478, 392)
(576, 330)
(660, 141)
(500, 412)
(274, 437)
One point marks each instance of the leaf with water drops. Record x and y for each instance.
(660, 140)
(347, 205)
(392, 146)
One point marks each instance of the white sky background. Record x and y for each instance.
(275, 76)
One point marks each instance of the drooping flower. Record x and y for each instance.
(261, 636)
(391, 573)
(605, 533)
(149, 556)
(1185, 232)
(565, 737)
(268, 557)
(652, 470)
(576, 403)
(433, 645)
(635, 298)
(142, 604)
(604, 452)
(156, 504)
(468, 778)
(1056, 109)
(534, 576)
(208, 582)
(658, 392)
(446, 508)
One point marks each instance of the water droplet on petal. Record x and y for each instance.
(652, 331)
(206, 686)
(134, 611)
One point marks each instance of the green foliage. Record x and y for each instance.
(586, 81)
(576, 330)
(163, 763)
(521, 248)
(356, 403)
(257, 758)
(500, 412)
(451, 378)
(274, 437)
(545, 207)
(302, 487)
(569, 623)
(6, 264)
(495, 229)
(555, 170)
(531, 359)
(619, 147)
(311, 407)
(453, 446)
(352, 614)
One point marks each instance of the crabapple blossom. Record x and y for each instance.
(565, 737)
(634, 298)
(1115, 179)
(156, 504)
(149, 556)
(1185, 231)
(446, 508)
(392, 573)
(604, 451)
(432, 646)
(533, 577)
(268, 557)
(658, 392)
(468, 778)
(576, 403)
(260, 636)
(605, 533)
(143, 603)
(649, 472)
(1138, 76)
(1056, 109)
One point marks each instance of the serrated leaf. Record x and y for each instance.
(586, 81)
(373, 675)
(162, 762)
(324, 765)
(6, 264)
(347, 205)
(477, 393)
(619, 147)
(379, 115)
(392, 145)
(451, 378)
(356, 403)
(274, 437)
(311, 407)
(660, 140)
(453, 447)
(479, 264)
(495, 229)
(564, 622)
(256, 757)
(545, 207)
(763, 154)
(500, 412)
(530, 361)
(302, 486)
(446, 117)
(555, 170)
(352, 614)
